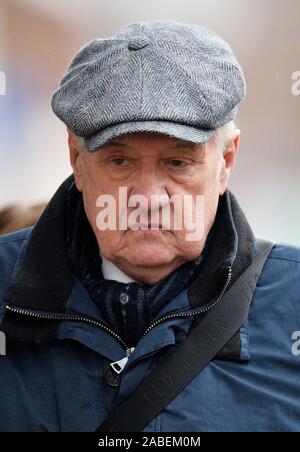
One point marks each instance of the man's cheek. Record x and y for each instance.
(108, 242)
(190, 250)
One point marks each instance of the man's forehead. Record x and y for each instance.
(133, 141)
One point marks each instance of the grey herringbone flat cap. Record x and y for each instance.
(162, 77)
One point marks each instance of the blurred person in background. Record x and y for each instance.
(90, 313)
(16, 217)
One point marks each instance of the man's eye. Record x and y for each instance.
(120, 162)
(178, 163)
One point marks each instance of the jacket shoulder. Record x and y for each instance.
(279, 283)
(283, 265)
(285, 252)
(11, 247)
(16, 237)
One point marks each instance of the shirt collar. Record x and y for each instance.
(111, 272)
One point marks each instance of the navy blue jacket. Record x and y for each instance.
(52, 377)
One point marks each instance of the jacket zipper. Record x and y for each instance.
(78, 318)
(191, 313)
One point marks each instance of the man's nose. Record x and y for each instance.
(148, 185)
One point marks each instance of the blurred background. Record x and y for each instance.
(38, 38)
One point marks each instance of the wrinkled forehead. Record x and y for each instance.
(150, 141)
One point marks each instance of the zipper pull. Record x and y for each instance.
(118, 366)
(112, 373)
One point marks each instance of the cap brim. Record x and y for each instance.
(172, 129)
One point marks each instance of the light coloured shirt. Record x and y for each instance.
(112, 272)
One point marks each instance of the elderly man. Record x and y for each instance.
(136, 326)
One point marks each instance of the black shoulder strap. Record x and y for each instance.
(182, 365)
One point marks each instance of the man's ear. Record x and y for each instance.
(228, 160)
(74, 154)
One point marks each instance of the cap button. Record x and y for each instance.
(138, 43)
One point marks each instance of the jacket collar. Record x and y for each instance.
(44, 279)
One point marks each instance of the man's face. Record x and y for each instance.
(151, 164)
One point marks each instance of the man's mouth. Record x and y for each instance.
(148, 227)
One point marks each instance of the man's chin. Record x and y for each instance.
(150, 256)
